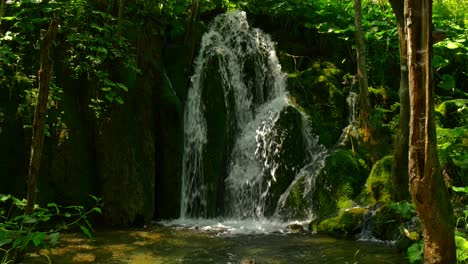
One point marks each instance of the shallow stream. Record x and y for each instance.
(179, 244)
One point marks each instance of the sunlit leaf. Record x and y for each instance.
(86, 231)
(460, 189)
(451, 45)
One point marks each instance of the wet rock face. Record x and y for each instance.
(286, 159)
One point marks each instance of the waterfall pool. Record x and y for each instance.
(210, 243)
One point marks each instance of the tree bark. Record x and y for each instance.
(45, 74)
(120, 17)
(427, 186)
(2, 10)
(400, 182)
(361, 71)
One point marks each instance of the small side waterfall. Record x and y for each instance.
(351, 130)
(266, 140)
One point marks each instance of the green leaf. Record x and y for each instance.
(54, 205)
(29, 220)
(447, 83)
(415, 252)
(109, 82)
(460, 189)
(451, 45)
(67, 215)
(106, 89)
(5, 241)
(445, 145)
(54, 237)
(461, 161)
(119, 100)
(86, 231)
(462, 248)
(38, 238)
(109, 97)
(9, 18)
(403, 208)
(4, 198)
(122, 86)
(98, 210)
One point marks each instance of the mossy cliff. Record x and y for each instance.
(317, 91)
(339, 183)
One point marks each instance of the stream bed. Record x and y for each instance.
(180, 244)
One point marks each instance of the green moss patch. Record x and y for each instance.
(340, 182)
(379, 182)
(346, 224)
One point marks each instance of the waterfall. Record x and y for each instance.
(351, 130)
(239, 64)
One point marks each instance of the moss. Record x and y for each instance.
(453, 113)
(317, 90)
(340, 182)
(346, 224)
(379, 183)
(385, 224)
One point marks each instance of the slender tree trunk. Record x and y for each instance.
(400, 150)
(45, 74)
(120, 17)
(361, 71)
(2, 10)
(427, 186)
(190, 39)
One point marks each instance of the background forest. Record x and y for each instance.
(115, 111)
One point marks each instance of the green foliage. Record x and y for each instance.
(88, 46)
(42, 228)
(462, 248)
(404, 208)
(318, 92)
(461, 234)
(415, 252)
(451, 54)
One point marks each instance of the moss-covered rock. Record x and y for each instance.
(346, 224)
(385, 225)
(317, 91)
(339, 183)
(453, 113)
(379, 182)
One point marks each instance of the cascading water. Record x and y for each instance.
(351, 130)
(258, 122)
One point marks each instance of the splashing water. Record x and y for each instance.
(255, 103)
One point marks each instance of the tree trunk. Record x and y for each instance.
(427, 186)
(361, 71)
(400, 150)
(2, 10)
(45, 74)
(120, 17)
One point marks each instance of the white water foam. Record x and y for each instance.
(253, 98)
